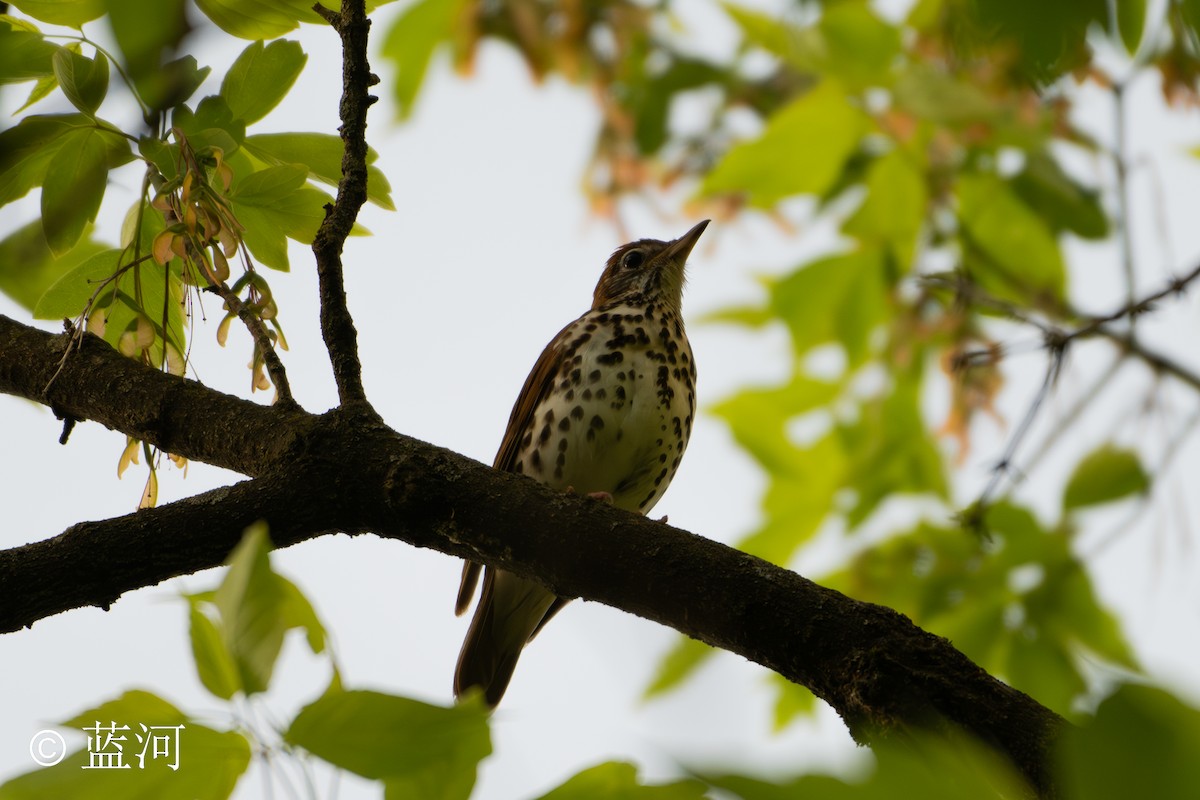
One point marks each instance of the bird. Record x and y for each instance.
(606, 412)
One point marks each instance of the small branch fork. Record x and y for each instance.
(1056, 341)
(337, 326)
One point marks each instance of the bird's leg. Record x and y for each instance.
(603, 497)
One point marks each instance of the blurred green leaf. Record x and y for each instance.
(147, 33)
(1107, 473)
(259, 19)
(838, 299)
(792, 701)
(28, 268)
(83, 80)
(214, 663)
(1131, 21)
(26, 150)
(860, 47)
(894, 209)
(410, 43)
(798, 501)
(76, 177)
(800, 47)
(67, 296)
(801, 151)
(416, 749)
(924, 767)
(1019, 256)
(250, 600)
(210, 761)
(322, 154)
(24, 55)
(71, 13)
(890, 450)
(1049, 39)
(617, 780)
(261, 77)
(1022, 607)
(933, 95)
(1060, 201)
(1142, 743)
(677, 665)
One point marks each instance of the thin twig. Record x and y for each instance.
(1124, 232)
(262, 341)
(337, 326)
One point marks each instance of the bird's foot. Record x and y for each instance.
(603, 497)
(664, 519)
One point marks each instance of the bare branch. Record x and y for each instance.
(337, 326)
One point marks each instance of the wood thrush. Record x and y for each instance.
(606, 411)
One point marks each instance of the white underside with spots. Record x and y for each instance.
(620, 435)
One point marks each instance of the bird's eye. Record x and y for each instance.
(634, 259)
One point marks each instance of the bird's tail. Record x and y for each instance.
(510, 611)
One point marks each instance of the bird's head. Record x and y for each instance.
(647, 270)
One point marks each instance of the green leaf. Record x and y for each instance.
(1048, 39)
(617, 780)
(1062, 202)
(212, 124)
(894, 208)
(836, 299)
(802, 150)
(83, 80)
(1015, 254)
(410, 44)
(250, 601)
(28, 268)
(802, 48)
(27, 149)
(255, 19)
(209, 761)
(1106, 474)
(677, 665)
(923, 766)
(74, 186)
(276, 204)
(891, 450)
(416, 749)
(146, 31)
(72, 13)
(214, 663)
(298, 612)
(1141, 743)
(261, 77)
(40, 91)
(932, 94)
(67, 296)
(322, 154)
(792, 701)
(24, 55)
(1131, 20)
(860, 47)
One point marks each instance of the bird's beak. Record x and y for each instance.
(679, 249)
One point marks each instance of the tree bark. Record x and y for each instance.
(345, 471)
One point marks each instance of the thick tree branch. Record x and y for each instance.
(337, 326)
(344, 472)
(176, 415)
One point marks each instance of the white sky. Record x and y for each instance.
(491, 224)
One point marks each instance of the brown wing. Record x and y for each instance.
(537, 385)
